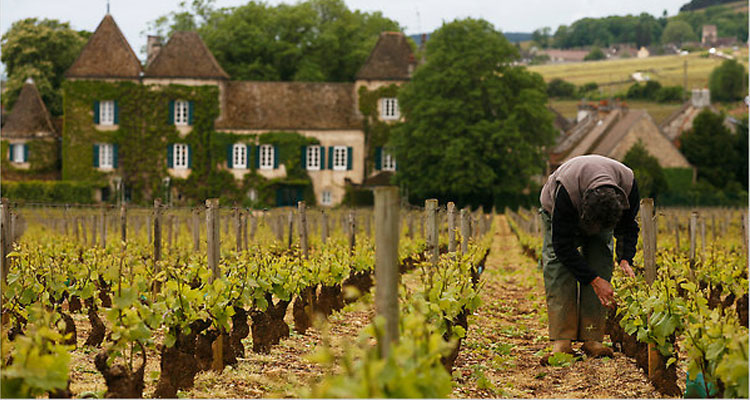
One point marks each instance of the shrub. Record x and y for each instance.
(50, 191)
(560, 88)
(727, 82)
(595, 54)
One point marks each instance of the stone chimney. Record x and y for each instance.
(153, 45)
(701, 98)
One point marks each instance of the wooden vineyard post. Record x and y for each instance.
(465, 216)
(93, 230)
(386, 263)
(693, 228)
(212, 235)
(351, 229)
(149, 229)
(237, 229)
(431, 208)
(368, 224)
(76, 234)
(84, 235)
(302, 228)
(253, 225)
(409, 225)
(744, 227)
(290, 225)
(213, 222)
(4, 236)
(676, 234)
(703, 237)
(451, 227)
(323, 226)
(649, 263)
(66, 217)
(196, 230)
(103, 226)
(123, 224)
(157, 234)
(244, 217)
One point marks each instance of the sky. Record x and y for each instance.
(416, 16)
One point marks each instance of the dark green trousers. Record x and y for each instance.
(575, 312)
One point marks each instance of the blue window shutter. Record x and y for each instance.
(257, 157)
(275, 157)
(96, 112)
(170, 156)
(378, 158)
(330, 157)
(322, 157)
(230, 156)
(25, 152)
(303, 161)
(190, 156)
(190, 113)
(115, 156)
(96, 156)
(171, 112)
(117, 114)
(349, 158)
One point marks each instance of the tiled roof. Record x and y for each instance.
(391, 59)
(106, 55)
(185, 56)
(29, 117)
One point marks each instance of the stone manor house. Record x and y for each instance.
(168, 127)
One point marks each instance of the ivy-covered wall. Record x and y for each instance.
(376, 130)
(44, 161)
(144, 132)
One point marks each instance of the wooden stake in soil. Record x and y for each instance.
(290, 225)
(386, 263)
(212, 235)
(245, 215)
(123, 224)
(693, 237)
(253, 225)
(430, 215)
(649, 264)
(237, 229)
(451, 227)
(5, 244)
(323, 226)
(302, 228)
(157, 234)
(196, 230)
(93, 230)
(465, 230)
(351, 223)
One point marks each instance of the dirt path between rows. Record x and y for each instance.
(508, 334)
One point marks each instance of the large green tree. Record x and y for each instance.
(727, 82)
(710, 147)
(648, 172)
(42, 50)
(313, 40)
(678, 32)
(475, 125)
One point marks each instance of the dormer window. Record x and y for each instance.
(181, 112)
(389, 108)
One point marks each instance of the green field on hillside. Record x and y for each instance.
(613, 76)
(658, 111)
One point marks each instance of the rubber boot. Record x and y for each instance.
(562, 346)
(596, 349)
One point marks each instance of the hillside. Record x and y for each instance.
(614, 76)
(696, 5)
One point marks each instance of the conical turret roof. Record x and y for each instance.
(106, 55)
(29, 117)
(391, 59)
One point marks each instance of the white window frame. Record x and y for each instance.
(181, 110)
(106, 156)
(387, 161)
(266, 156)
(180, 156)
(389, 108)
(239, 156)
(16, 153)
(326, 198)
(339, 158)
(107, 112)
(312, 157)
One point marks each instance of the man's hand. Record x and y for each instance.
(604, 291)
(626, 268)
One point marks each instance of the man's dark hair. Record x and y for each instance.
(601, 208)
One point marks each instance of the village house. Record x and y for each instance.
(612, 130)
(160, 129)
(31, 139)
